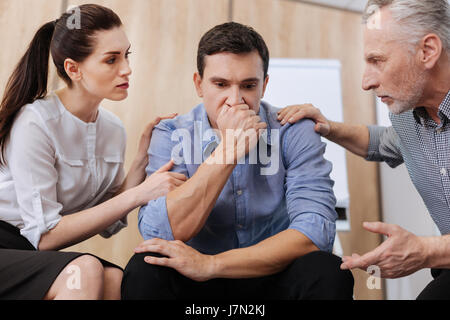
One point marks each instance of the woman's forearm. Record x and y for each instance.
(136, 175)
(80, 226)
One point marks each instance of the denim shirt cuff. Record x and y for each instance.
(318, 229)
(154, 222)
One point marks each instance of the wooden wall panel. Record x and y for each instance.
(19, 21)
(297, 30)
(164, 35)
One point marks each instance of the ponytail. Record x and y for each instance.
(27, 83)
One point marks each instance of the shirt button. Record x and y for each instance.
(239, 192)
(443, 172)
(439, 130)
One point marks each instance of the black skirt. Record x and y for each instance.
(28, 274)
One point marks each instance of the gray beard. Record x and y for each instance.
(412, 99)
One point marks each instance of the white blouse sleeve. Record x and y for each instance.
(122, 223)
(30, 156)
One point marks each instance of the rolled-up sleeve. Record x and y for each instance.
(309, 189)
(153, 218)
(32, 165)
(384, 146)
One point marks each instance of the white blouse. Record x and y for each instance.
(57, 165)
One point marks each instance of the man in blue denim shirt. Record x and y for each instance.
(258, 205)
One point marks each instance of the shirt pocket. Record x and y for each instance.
(73, 176)
(110, 172)
(110, 166)
(113, 159)
(73, 163)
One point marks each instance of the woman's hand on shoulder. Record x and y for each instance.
(137, 174)
(146, 137)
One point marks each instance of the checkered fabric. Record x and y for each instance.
(424, 146)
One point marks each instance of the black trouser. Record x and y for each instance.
(314, 276)
(439, 288)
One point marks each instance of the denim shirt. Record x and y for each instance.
(283, 184)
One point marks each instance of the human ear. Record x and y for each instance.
(430, 50)
(72, 69)
(266, 81)
(198, 84)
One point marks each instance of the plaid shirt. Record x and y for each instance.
(424, 146)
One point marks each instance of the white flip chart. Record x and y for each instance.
(299, 81)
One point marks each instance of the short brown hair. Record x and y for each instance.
(234, 38)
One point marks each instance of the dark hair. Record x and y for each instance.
(64, 39)
(231, 37)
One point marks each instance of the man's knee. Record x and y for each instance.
(145, 281)
(327, 280)
(439, 288)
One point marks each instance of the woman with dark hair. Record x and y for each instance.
(61, 174)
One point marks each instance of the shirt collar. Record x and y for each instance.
(421, 115)
(444, 108)
(263, 114)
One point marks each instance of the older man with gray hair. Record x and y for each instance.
(407, 53)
